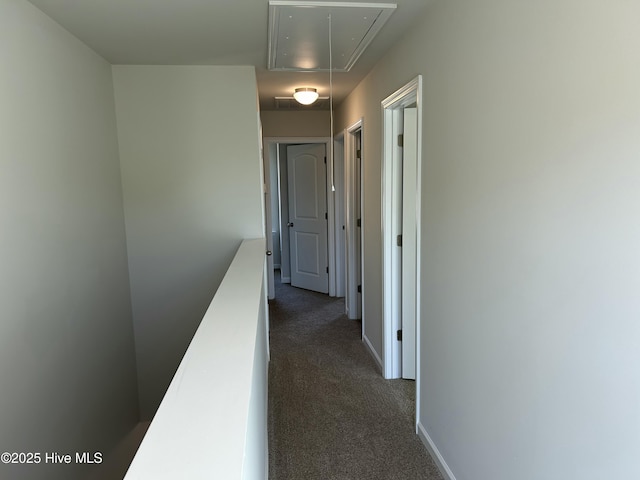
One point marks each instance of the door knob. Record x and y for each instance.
(289, 224)
(269, 253)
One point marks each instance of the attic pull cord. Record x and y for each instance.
(333, 185)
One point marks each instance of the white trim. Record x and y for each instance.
(330, 201)
(363, 280)
(351, 293)
(405, 96)
(435, 453)
(390, 254)
(339, 214)
(419, 248)
(409, 258)
(372, 352)
(399, 97)
(267, 214)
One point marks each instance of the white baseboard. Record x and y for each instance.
(373, 352)
(435, 453)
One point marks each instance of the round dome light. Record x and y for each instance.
(305, 95)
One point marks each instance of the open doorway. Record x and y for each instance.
(327, 193)
(401, 200)
(355, 287)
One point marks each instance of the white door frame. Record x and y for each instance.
(392, 107)
(334, 268)
(353, 301)
(340, 213)
(267, 218)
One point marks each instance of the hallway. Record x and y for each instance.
(331, 414)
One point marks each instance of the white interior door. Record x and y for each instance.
(409, 280)
(308, 217)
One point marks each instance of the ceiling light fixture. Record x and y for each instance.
(305, 95)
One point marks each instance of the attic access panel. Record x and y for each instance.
(299, 33)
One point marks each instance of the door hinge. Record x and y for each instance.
(358, 153)
(359, 222)
(399, 334)
(325, 159)
(326, 215)
(401, 140)
(399, 240)
(327, 269)
(359, 288)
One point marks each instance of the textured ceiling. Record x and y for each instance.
(209, 32)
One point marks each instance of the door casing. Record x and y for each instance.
(353, 207)
(335, 268)
(392, 109)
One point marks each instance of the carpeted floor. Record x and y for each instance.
(331, 414)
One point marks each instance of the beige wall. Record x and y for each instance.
(191, 174)
(530, 239)
(67, 362)
(295, 123)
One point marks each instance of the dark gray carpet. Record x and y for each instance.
(331, 414)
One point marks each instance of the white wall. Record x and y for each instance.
(189, 149)
(67, 363)
(296, 123)
(212, 422)
(530, 252)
